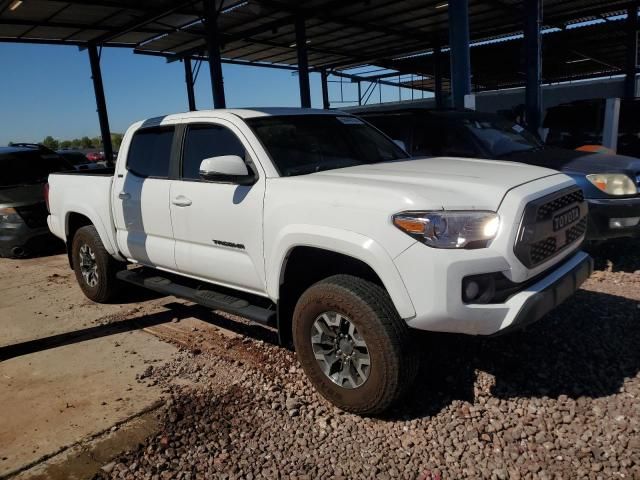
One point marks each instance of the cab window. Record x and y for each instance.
(206, 141)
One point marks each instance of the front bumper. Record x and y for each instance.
(601, 211)
(435, 291)
(550, 292)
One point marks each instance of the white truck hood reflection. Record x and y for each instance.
(458, 183)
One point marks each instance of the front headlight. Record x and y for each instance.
(456, 229)
(613, 183)
(9, 215)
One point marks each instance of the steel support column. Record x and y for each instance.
(325, 90)
(101, 104)
(359, 92)
(303, 63)
(437, 76)
(460, 55)
(630, 84)
(213, 49)
(188, 77)
(533, 63)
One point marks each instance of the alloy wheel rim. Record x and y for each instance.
(340, 350)
(88, 265)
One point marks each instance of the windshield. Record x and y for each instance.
(501, 137)
(302, 144)
(29, 167)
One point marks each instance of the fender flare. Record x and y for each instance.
(345, 242)
(96, 221)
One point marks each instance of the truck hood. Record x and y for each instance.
(438, 183)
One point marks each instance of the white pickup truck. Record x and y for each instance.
(315, 222)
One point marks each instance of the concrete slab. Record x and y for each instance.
(68, 366)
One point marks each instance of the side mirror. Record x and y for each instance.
(401, 144)
(226, 168)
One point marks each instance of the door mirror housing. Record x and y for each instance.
(226, 168)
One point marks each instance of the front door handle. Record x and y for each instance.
(124, 196)
(181, 201)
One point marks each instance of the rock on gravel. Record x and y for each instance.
(559, 400)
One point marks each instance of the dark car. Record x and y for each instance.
(573, 125)
(78, 160)
(611, 183)
(23, 213)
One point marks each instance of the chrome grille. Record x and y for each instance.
(541, 236)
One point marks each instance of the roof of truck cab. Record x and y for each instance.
(228, 113)
(264, 112)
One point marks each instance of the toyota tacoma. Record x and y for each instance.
(318, 224)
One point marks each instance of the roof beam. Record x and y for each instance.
(35, 23)
(138, 23)
(323, 13)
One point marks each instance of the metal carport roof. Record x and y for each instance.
(340, 34)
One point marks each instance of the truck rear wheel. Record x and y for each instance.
(353, 345)
(94, 267)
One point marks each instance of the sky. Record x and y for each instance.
(47, 90)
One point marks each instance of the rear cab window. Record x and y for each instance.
(149, 153)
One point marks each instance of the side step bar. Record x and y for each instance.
(205, 297)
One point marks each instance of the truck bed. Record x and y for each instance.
(82, 194)
(96, 172)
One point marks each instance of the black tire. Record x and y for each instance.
(106, 285)
(393, 359)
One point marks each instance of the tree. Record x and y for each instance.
(96, 142)
(65, 144)
(116, 140)
(51, 142)
(85, 142)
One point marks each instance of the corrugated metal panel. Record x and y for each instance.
(340, 34)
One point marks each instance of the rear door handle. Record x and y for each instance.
(181, 201)
(124, 196)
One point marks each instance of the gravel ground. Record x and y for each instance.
(559, 400)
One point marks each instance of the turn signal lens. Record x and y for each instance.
(413, 226)
(456, 229)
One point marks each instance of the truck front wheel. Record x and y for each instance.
(94, 267)
(353, 345)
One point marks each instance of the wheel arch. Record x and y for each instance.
(303, 263)
(74, 220)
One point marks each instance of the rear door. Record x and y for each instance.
(141, 198)
(218, 226)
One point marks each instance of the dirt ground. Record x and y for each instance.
(193, 394)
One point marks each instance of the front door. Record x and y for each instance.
(218, 226)
(141, 199)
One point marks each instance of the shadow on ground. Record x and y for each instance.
(586, 347)
(174, 310)
(619, 255)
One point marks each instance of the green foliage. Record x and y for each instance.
(51, 142)
(116, 141)
(80, 143)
